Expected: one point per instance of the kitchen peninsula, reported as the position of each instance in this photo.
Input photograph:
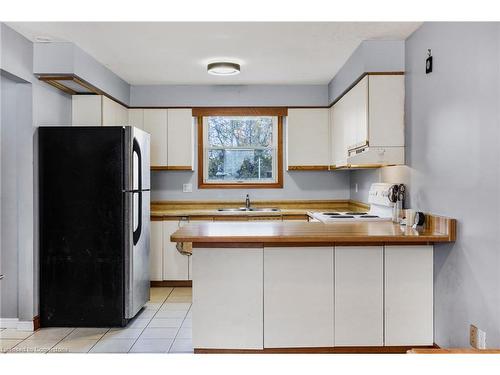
(313, 287)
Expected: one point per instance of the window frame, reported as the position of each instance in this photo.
(201, 113)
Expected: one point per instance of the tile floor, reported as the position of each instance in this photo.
(164, 326)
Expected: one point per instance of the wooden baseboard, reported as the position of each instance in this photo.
(36, 323)
(322, 350)
(171, 283)
(454, 351)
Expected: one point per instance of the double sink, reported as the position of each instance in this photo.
(251, 209)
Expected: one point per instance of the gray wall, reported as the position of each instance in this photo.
(370, 56)
(26, 104)
(167, 185)
(228, 95)
(453, 132)
(61, 57)
(8, 234)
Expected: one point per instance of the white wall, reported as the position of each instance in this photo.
(452, 138)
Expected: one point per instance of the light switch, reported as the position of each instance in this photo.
(187, 188)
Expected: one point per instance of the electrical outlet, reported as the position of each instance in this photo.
(477, 337)
(356, 187)
(187, 188)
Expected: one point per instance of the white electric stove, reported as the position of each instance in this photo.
(381, 198)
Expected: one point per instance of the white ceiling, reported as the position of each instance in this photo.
(177, 53)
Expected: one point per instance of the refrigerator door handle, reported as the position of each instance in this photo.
(137, 233)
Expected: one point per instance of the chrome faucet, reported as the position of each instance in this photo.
(247, 202)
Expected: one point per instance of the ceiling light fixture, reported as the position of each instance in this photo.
(223, 68)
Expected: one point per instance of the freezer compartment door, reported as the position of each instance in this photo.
(137, 228)
(137, 163)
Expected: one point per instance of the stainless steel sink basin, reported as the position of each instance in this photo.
(243, 209)
(266, 209)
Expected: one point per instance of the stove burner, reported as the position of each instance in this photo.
(342, 217)
(330, 213)
(356, 213)
(368, 216)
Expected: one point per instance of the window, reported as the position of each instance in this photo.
(240, 151)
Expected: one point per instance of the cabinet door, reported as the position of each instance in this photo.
(308, 137)
(136, 118)
(156, 251)
(359, 306)
(228, 298)
(409, 295)
(339, 146)
(386, 117)
(86, 110)
(298, 297)
(190, 259)
(175, 265)
(356, 115)
(109, 112)
(121, 115)
(331, 130)
(180, 138)
(155, 123)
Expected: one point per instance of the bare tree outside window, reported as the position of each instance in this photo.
(240, 148)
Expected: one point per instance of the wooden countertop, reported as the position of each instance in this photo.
(165, 213)
(311, 234)
(164, 210)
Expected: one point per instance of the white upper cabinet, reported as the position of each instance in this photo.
(136, 117)
(386, 115)
(172, 136)
(308, 138)
(86, 110)
(95, 110)
(338, 142)
(356, 110)
(155, 123)
(367, 123)
(113, 113)
(180, 141)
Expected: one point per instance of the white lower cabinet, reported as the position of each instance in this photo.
(298, 297)
(359, 296)
(292, 297)
(156, 251)
(228, 298)
(175, 265)
(190, 259)
(409, 295)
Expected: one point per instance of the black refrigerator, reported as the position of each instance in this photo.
(94, 225)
